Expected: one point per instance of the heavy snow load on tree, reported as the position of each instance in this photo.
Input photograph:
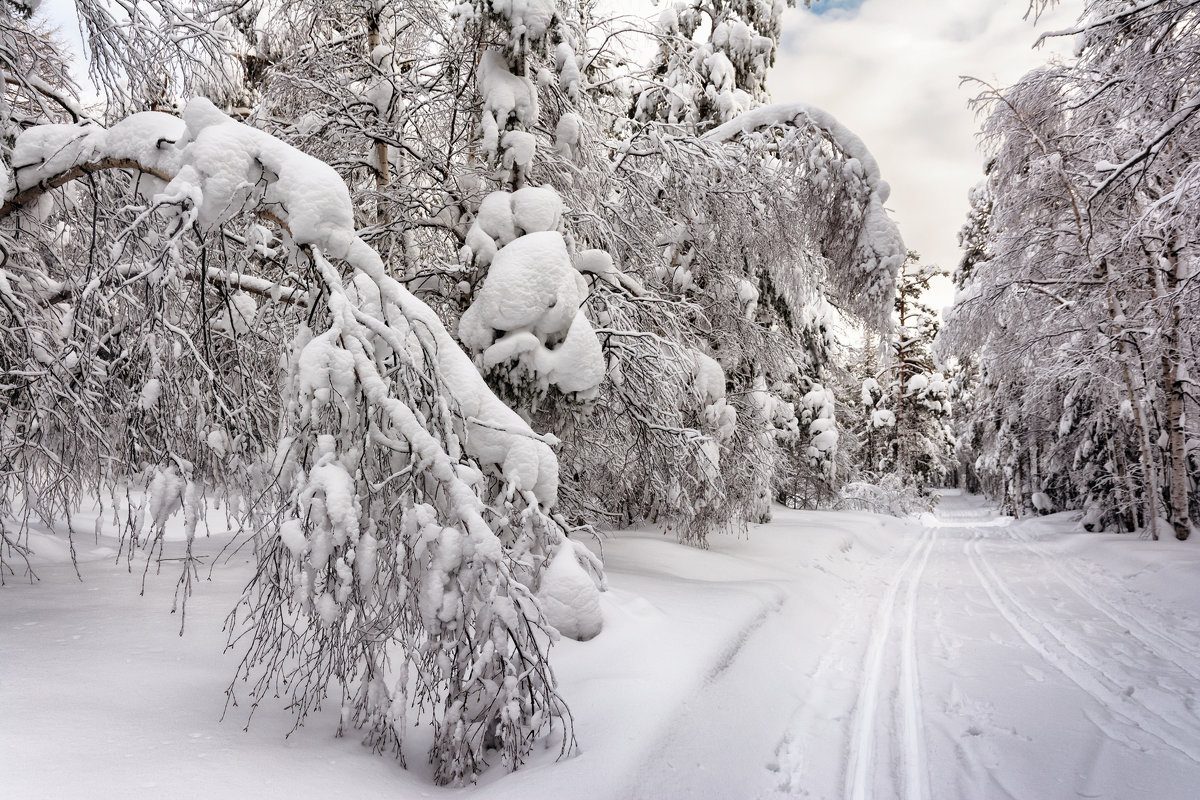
(867, 281)
(528, 316)
(403, 512)
(216, 168)
(506, 98)
(1078, 280)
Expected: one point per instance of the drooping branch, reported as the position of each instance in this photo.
(31, 194)
(371, 364)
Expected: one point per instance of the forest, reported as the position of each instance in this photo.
(426, 299)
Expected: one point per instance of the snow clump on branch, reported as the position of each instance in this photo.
(507, 99)
(529, 308)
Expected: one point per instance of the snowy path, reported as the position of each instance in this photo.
(994, 667)
(829, 655)
(974, 659)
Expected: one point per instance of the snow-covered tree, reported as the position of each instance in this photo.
(877, 420)
(1089, 246)
(902, 402)
(919, 394)
(284, 309)
(712, 60)
(394, 498)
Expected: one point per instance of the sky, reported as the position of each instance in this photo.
(890, 71)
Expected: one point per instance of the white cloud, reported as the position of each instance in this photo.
(890, 70)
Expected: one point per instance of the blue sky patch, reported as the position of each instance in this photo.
(846, 7)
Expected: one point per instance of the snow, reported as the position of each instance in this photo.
(667, 21)
(526, 18)
(772, 409)
(748, 296)
(916, 384)
(787, 114)
(870, 390)
(166, 495)
(214, 163)
(569, 597)
(529, 309)
(291, 532)
(323, 370)
(880, 250)
(829, 654)
(568, 136)
(710, 378)
(503, 216)
(598, 263)
(817, 409)
(219, 442)
(567, 64)
(218, 168)
(577, 364)
(329, 499)
(519, 148)
(883, 418)
(150, 394)
(535, 209)
(531, 285)
(238, 317)
(223, 159)
(505, 96)
(720, 418)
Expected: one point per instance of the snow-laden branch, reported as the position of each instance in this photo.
(1150, 148)
(214, 165)
(879, 251)
(795, 114)
(462, 586)
(1111, 19)
(44, 89)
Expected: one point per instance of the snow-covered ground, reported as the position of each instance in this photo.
(828, 655)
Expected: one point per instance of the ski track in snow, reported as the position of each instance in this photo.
(1136, 678)
(1153, 638)
(1112, 686)
(883, 736)
(861, 778)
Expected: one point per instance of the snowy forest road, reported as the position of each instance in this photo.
(995, 668)
(974, 659)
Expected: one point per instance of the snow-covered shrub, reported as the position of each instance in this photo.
(817, 415)
(889, 494)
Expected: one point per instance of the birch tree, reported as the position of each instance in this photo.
(1090, 168)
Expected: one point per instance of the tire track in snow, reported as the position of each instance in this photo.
(862, 757)
(1177, 734)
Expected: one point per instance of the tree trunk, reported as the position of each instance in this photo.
(1149, 465)
(382, 155)
(1173, 387)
